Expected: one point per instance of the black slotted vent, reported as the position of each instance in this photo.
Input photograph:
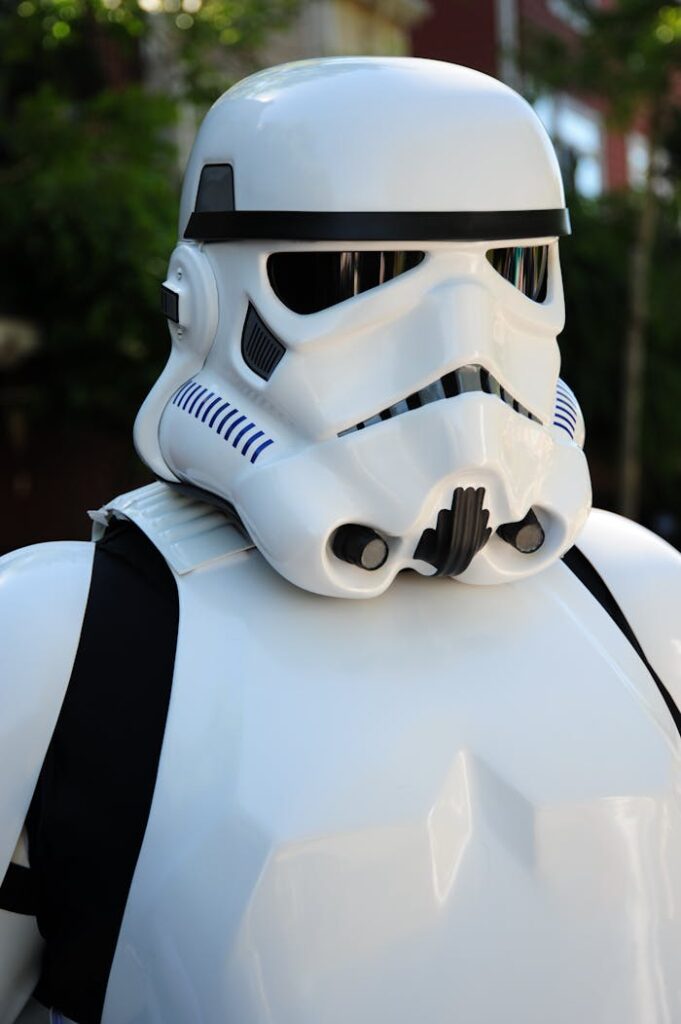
(261, 349)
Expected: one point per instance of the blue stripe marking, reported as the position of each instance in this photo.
(569, 419)
(250, 441)
(203, 402)
(181, 391)
(231, 427)
(260, 449)
(209, 407)
(567, 411)
(215, 415)
(560, 421)
(244, 430)
(185, 387)
(566, 429)
(225, 418)
(185, 398)
(195, 399)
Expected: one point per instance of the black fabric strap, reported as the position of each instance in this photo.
(580, 565)
(17, 892)
(90, 808)
(309, 226)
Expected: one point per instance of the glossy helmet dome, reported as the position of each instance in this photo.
(363, 309)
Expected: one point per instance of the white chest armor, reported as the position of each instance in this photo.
(445, 804)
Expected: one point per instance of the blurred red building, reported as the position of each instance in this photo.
(489, 35)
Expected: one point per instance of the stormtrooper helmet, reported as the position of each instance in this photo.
(363, 308)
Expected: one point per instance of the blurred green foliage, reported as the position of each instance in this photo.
(89, 184)
(88, 209)
(625, 51)
(625, 262)
(594, 263)
(229, 22)
(662, 423)
(87, 32)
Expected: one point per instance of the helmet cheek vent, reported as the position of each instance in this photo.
(261, 349)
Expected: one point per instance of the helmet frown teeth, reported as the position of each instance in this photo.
(465, 380)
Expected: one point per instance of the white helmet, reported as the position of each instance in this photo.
(363, 312)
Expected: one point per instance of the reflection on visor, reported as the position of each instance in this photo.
(308, 282)
(524, 266)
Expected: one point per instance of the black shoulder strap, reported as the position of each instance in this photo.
(17, 892)
(580, 565)
(90, 808)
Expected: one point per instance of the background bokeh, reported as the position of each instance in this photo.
(99, 101)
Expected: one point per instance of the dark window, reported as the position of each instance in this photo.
(525, 266)
(307, 282)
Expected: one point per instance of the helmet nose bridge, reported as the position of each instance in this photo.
(463, 312)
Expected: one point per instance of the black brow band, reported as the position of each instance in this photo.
(477, 226)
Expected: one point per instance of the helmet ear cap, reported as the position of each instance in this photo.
(190, 294)
(189, 300)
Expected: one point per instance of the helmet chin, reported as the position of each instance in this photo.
(399, 479)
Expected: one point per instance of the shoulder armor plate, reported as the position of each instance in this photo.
(189, 533)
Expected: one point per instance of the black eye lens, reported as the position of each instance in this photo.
(307, 282)
(524, 266)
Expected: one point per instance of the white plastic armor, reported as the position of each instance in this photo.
(367, 811)
(446, 803)
(43, 591)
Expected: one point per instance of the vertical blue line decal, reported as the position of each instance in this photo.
(182, 391)
(209, 407)
(244, 430)
(215, 415)
(195, 399)
(261, 448)
(186, 397)
(203, 402)
(225, 418)
(250, 441)
(232, 426)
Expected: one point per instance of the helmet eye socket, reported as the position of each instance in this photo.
(308, 282)
(525, 266)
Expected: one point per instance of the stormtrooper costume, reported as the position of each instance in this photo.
(231, 792)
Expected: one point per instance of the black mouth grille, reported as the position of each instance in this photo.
(458, 382)
(460, 532)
